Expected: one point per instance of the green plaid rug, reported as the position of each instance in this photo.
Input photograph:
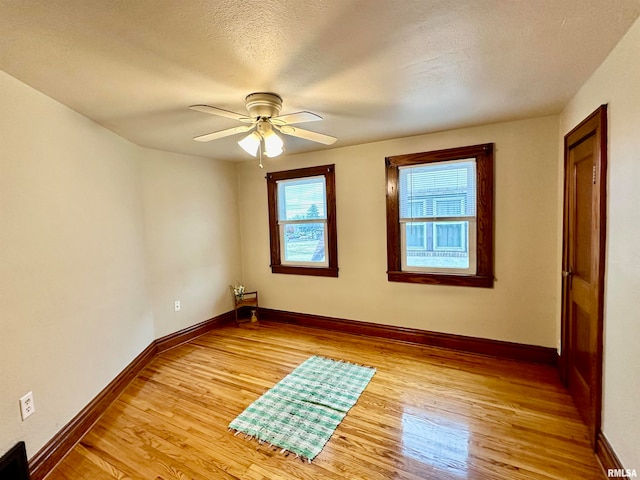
(300, 412)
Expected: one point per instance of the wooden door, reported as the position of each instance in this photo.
(583, 265)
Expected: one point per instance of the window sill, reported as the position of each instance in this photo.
(313, 271)
(441, 279)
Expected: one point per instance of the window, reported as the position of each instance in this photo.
(302, 221)
(440, 217)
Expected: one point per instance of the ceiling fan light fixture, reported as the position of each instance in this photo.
(273, 144)
(250, 143)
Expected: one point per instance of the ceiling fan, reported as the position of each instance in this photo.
(263, 116)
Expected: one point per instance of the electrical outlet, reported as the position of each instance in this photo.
(27, 407)
(176, 305)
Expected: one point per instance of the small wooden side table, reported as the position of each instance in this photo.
(249, 299)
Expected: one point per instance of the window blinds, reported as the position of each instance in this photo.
(438, 190)
(302, 199)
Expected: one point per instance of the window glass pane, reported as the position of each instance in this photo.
(304, 242)
(444, 245)
(302, 198)
(443, 189)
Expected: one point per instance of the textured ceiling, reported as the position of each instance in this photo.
(374, 69)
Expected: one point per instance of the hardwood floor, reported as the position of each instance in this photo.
(428, 413)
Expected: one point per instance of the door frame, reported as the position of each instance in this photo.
(594, 124)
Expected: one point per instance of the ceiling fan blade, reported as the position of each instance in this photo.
(221, 112)
(308, 135)
(298, 117)
(222, 133)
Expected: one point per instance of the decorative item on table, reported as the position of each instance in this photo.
(238, 290)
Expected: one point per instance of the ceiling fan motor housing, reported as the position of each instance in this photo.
(263, 104)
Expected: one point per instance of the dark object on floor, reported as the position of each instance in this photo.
(14, 465)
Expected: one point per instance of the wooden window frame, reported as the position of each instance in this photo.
(484, 276)
(328, 171)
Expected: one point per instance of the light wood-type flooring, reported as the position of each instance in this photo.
(428, 413)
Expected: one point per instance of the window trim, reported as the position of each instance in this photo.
(484, 276)
(331, 237)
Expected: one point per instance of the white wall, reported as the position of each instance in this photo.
(191, 237)
(521, 307)
(73, 297)
(98, 237)
(617, 83)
